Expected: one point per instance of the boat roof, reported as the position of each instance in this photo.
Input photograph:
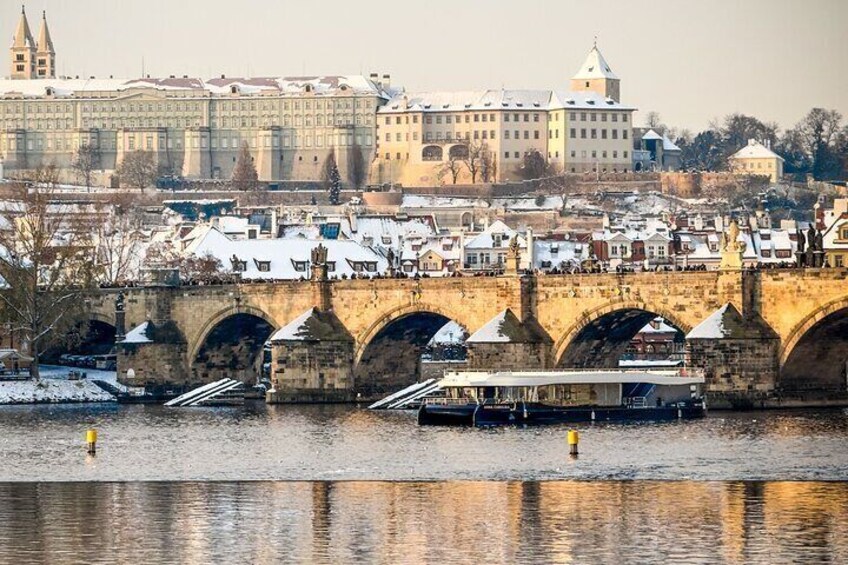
(542, 378)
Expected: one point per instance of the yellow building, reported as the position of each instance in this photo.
(757, 159)
(482, 136)
(834, 228)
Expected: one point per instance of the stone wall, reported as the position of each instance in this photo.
(734, 369)
(509, 356)
(311, 371)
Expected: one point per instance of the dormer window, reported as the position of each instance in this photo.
(263, 266)
(555, 249)
(299, 266)
(416, 246)
(497, 239)
(331, 266)
(386, 239)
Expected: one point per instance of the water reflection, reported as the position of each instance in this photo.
(369, 522)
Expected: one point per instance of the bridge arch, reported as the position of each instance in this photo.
(604, 332)
(388, 352)
(230, 344)
(815, 352)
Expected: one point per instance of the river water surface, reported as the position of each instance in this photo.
(269, 484)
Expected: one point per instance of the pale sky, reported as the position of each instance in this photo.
(690, 60)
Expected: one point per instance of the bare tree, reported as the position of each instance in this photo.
(245, 176)
(451, 168)
(45, 266)
(488, 165)
(118, 242)
(202, 268)
(86, 161)
(138, 169)
(474, 159)
(356, 167)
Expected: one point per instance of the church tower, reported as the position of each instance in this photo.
(596, 76)
(22, 51)
(45, 57)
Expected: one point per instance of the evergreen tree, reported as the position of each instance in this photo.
(245, 176)
(335, 185)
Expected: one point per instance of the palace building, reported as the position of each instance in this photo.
(483, 136)
(195, 128)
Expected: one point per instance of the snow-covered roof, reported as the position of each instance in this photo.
(449, 334)
(755, 150)
(507, 328)
(318, 85)
(511, 100)
(478, 100)
(138, 334)
(312, 325)
(662, 327)
(485, 239)
(595, 66)
(284, 255)
(713, 327)
(651, 135)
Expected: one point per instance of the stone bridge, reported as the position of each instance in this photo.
(769, 332)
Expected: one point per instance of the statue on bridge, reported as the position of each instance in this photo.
(319, 255)
(731, 248)
(319, 263)
(800, 258)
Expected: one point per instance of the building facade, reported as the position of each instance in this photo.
(483, 136)
(757, 159)
(194, 128)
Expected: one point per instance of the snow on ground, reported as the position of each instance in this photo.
(54, 387)
(415, 201)
(33, 391)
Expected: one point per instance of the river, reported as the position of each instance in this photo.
(266, 484)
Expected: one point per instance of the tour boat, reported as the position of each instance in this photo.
(484, 398)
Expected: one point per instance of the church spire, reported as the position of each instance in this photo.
(45, 56)
(45, 42)
(22, 51)
(23, 36)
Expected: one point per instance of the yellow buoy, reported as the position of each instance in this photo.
(573, 440)
(91, 440)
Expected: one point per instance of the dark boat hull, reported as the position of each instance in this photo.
(540, 414)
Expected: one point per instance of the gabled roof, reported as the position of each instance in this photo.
(313, 325)
(507, 328)
(595, 66)
(485, 240)
(755, 150)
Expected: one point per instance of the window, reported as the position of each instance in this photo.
(594, 133)
(506, 134)
(536, 134)
(300, 266)
(506, 154)
(624, 134)
(506, 117)
(603, 134)
(582, 133)
(573, 133)
(615, 134)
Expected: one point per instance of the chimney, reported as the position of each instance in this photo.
(387, 81)
(223, 76)
(531, 249)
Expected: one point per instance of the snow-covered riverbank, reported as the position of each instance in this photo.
(54, 387)
(42, 391)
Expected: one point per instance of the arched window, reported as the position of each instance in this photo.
(431, 153)
(458, 152)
